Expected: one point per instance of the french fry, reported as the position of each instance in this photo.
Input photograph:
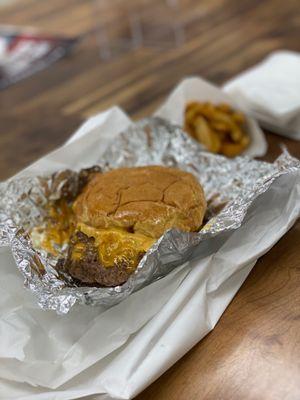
(221, 116)
(234, 149)
(239, 118)
(225, 107)
(191, 105)
(220, 128)
(235, 133)
(189, 129)
(231, 149)
(245, 141)
(206, 135)
(190, 115)
(207, 110)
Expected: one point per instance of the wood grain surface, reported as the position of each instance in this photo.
(254, 351)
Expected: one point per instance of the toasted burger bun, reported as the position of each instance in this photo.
(145, 200)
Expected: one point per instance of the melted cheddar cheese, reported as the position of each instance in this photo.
(116, 245)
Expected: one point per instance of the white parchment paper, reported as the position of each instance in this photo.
(116, 353)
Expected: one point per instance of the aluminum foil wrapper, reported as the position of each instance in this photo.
(230, 185)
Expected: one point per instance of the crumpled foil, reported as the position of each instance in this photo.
(230, 185)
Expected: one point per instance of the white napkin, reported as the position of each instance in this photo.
(270, 92)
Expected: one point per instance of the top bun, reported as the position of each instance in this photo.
(147, 200)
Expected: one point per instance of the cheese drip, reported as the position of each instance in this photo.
(115, 245)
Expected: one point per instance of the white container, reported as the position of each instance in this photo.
(195, 88)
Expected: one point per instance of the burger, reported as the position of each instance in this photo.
(120, 214)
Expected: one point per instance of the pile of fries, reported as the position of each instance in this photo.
(220, 128)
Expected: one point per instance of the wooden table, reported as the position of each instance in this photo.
(254, 351)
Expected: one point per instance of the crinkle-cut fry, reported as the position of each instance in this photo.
(206, 135)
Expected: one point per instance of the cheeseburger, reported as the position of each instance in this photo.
(120, 214)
